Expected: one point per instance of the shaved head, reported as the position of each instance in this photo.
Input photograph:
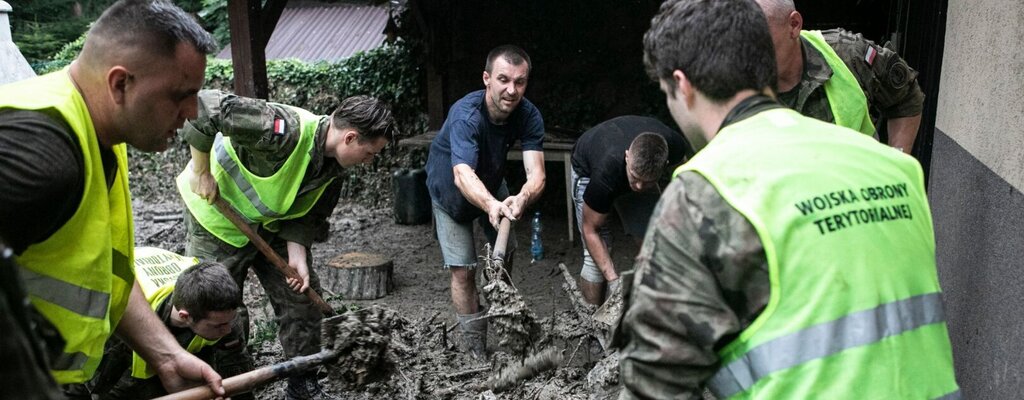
(133, 31)
(776, 10)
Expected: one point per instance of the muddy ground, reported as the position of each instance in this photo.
(420, 358)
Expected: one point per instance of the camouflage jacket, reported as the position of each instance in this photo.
(888, 82)
(262, 150)
(700, 279)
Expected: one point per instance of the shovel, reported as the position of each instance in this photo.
(339, 335)
(255, 378)
(501, 242)
(268, 252)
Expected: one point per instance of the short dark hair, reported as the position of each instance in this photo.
(723, 46)
(513, 55)
(156, 26)
(649, 153)
(206, 287)
(368, 115)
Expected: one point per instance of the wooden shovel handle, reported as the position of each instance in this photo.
(255, 378)
(269, 252)
(501, 242)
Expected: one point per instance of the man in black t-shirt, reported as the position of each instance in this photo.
(618, 163)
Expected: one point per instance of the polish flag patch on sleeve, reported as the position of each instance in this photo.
(870, 55)
(279, 127)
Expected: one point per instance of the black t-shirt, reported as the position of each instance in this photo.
(42, 176)
(600, 154)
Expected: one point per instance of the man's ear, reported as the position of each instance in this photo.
(117, 83)
(684, 88)
(349, 136)
(487, 77)
(796, 24)
(184, 315)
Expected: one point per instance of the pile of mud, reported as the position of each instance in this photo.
(386, 355)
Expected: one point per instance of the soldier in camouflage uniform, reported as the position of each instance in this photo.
(703, 276)
(889, 84)
(263, 137)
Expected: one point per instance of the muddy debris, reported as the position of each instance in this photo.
(511, 320)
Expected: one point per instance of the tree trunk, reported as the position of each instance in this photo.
(359, 276)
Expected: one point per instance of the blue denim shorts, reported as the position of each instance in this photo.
(456, 238)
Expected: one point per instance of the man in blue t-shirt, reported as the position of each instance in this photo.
(466, 176)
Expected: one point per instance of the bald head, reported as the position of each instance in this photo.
(133, 31)
(777, 11)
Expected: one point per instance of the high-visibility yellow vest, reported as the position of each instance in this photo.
(845, 96)
(80, 277)
(855, 309)
(157, 271)
(261, 200)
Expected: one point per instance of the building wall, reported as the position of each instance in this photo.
(977, 178)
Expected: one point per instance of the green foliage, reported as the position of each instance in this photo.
(214, 14)
(265, 331)
(42, 27)
(390, 73)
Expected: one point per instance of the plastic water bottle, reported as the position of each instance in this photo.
(536, 247)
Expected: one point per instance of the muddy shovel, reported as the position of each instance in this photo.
(250, 380)
(269, 252)
(339, 335)
(501, 242)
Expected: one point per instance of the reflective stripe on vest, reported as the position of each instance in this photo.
(77, 299)
(822, 340)
(70, 362)
(86, 262)
(232, 169)
(845, 96)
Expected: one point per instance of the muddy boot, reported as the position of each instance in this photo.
(305, 387)
(474, 333)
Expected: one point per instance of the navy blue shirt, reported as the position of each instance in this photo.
(469, 137)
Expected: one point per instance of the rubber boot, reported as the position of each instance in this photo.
(305, 387)
(474, 333)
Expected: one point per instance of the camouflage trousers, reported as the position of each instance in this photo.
(297, 317)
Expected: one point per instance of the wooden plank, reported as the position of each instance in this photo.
(248, 56)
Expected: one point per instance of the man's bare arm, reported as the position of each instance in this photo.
(592, 220)
(533, 162)
(903, 132)
(474, 190)
(201, 180)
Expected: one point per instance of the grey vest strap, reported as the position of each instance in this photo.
(857, 329)
(77, 299)
(233, 170)
(70, 362)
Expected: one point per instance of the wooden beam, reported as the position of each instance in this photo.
(248, 56)
(270, 15)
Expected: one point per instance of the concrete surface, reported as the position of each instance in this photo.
(979, 102)
(979, 234)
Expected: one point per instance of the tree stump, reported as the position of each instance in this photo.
(359, 276)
